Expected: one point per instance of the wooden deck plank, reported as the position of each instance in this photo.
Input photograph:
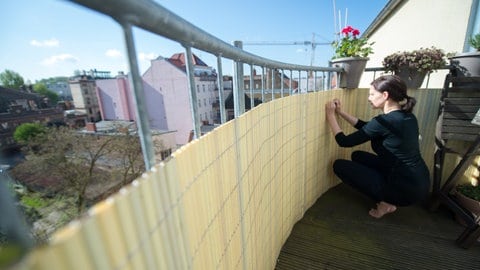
(337, 233)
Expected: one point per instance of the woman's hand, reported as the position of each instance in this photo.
(330, 108)
(331, 118)
(338, 105)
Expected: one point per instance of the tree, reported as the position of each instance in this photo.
(128, 152)
(27, 131)
(86, 166)
(11, 79)
(43, 90)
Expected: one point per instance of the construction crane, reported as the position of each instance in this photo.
(312, 43)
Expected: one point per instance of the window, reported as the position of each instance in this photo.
(198, 88)
(247, 86)
(165, 153)
(203, 86)
(199, 103)
(205, 102)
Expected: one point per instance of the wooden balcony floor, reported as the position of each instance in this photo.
(337, 233)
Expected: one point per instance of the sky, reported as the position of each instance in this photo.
(49, 38)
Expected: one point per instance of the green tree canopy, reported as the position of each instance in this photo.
(25, 132)
(11, 79)
(42, 89)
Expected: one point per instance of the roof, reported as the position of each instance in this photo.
(389, 8)
(178, 60)
(12, 94)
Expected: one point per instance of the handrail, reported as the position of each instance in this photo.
(154, 18)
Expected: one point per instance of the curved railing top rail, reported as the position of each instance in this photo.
(153, 17)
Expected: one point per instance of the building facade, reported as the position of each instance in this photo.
(115, 98)
(166, 89)
(409, 25)
(85, 97)
(18, 107)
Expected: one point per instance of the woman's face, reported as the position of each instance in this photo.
(377, 99)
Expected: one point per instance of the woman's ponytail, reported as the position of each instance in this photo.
(408, 106)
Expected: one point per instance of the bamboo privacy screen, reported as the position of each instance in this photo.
(225, 201)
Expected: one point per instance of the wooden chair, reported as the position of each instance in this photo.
(459, 104)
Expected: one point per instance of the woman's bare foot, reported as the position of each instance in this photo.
(383, 208)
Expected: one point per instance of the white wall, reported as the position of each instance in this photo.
(421, 23)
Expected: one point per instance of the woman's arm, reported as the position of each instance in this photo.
(332, 118)
(352, 120)
(343, 140)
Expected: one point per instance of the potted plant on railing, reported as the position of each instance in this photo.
(351, 54)
(413, 66)
(467, 64)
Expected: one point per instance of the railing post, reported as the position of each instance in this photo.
(281, 82)
(291, 81)
(273, 84)
(238, 93)
(221, 92)
(136, 83)
(252, 101)
(192, 93)
(263, 84)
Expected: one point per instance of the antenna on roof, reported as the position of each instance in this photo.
(335, 21)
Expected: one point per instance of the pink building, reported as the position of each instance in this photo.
(166, 96)
(115, 99)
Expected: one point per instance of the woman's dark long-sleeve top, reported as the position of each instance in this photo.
(395, 139)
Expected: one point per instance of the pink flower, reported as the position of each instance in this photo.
(347, 30)
(351, 45)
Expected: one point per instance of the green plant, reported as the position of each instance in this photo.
(475, 42)
(34, 201)
(469, 190)
(421, 60)
(350, 45)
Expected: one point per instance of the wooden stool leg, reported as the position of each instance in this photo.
(439, 157)
(469, 237)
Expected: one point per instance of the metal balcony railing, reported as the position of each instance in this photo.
(154, 18)
(229, 199)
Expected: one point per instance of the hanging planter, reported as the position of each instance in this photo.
(353, 69)
(465, 64)
(412, 78)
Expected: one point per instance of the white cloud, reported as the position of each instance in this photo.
(45, 43)
(65, 57)
(113, 53)
(147, 56)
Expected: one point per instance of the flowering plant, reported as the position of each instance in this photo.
(421, 60)
(350, 45)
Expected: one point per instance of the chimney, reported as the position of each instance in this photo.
(91, 127)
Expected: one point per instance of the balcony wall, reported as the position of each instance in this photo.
(227, 200)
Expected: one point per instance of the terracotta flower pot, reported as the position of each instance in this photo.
(470, 204)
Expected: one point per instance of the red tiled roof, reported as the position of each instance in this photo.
(178, 60)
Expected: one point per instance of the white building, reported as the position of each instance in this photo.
(167, 93)
(409, 25)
